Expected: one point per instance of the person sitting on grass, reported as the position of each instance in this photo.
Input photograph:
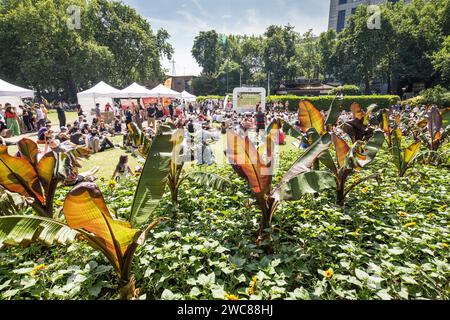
(98, 143)
(122, 169)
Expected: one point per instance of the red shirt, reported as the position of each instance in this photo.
(9, 115)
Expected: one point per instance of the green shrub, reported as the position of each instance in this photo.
(437, 95)
(348, 90)
(203, 98)
(414, 102)
(324, 102)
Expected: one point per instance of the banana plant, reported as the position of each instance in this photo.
(403, 158)
(88, 218)
(249, 164)
(139, 139)
(11, 203)
(387, 128)
(35, 176)
(438, 129)
(358, 129)
(177, 175)
(348, 160)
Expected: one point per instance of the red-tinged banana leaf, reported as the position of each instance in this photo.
(46, 170)
(434, 121)
(85, 209)
(29, 150)
(385, 124)
(153, 180)
(246, 161)
(304, 163)
(362, 155)
(272, 138)
(342, 149)
(26, 230)
(357, 111)
(18, 175)
(310, 117)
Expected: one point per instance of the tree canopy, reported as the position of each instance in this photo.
(113, 43)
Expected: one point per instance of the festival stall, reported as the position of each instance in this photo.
(186, 96)
(101, 93)
(12, 94)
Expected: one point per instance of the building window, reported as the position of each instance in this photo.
(341, 21)
(353, 10)
(342, 2)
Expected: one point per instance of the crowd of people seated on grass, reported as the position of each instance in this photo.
(203, 124)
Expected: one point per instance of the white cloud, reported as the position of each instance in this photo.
(188, 17)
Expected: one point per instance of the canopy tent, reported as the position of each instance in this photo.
(164, 92)
(101, 93)
(187, 96)
(136, 91)
(100, 90)
(10, 90)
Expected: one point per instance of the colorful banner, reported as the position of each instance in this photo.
(149, 101)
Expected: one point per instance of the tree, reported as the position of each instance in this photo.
(441, 61)
(206, 51)
(114, 44)
(308, 55)
(358, 50)
(279, 52)
(326, 46)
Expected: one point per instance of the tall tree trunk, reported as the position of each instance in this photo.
(367, 82)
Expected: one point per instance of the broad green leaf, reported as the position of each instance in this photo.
(308, 183)
(411, 152)
(304, 163)
(365, 155)
(210, 180)
(333, 113)
(85, 209)
(24, 230)
(152, 183)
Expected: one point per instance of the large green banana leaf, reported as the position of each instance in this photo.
(304, 163)
(25, 230)
(153, 180)
(307, 183)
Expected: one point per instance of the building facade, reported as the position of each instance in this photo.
(342, 10)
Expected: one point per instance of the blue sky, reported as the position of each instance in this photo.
(184, 19)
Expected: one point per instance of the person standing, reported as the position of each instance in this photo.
(260, 120)
(151, 113)
(12, 120)
(61, 115)
(40, 118)
(97, 110)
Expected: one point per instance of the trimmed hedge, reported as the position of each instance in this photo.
(324, 102)
(348, 90)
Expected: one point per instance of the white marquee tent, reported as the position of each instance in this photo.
(136, 91)
(187, 96)
(10, 93)
(163, 92)
(101, 93)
